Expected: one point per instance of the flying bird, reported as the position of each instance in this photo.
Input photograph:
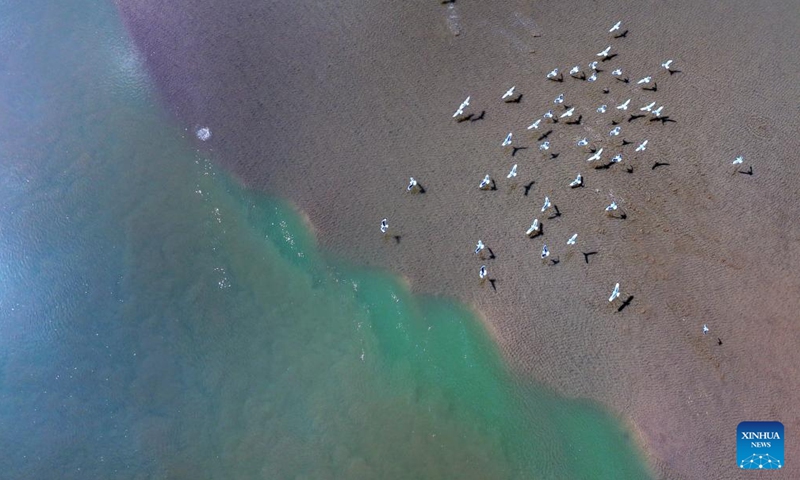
(605, 53)
(547, 204)
(596, 156)
(617, 72)
(615, 27)
(738, 160)
(614, 294)
(624, 106)
(460, 110)
(648, 108)
(657, 111)
(534, 228)
(572, 239)
(507, 141)
(534, 124)
(577, 182)
(642, 146)
(568, 113)
(509, 93)
(593, 65)
(513, 172)
(667, 64)
(644, 80)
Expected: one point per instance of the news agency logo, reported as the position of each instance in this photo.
(759, 445)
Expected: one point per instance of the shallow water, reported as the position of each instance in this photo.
(159, 321)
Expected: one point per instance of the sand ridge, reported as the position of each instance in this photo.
(334, 106)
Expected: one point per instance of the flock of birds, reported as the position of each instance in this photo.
(614, 140)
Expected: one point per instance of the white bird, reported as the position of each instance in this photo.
(615, 27)
(593, 65)
(642, 146)
(648, 108)
(592, 78)
(535, 227)
(559, 99)
(545, 145)
(509, 93)
(617, 158)
(575, 69)
(612, 207)
(614, 294)
(549, 114)
(577, 182)
(657, 111)
(617, 72)
(572, 239)
(602, 109)
(553, 74)
(411, 184)
(482, 273)
(667, 64)
(479, 247)
(705, 329)
(644, 80)
(487, 180)
(583, 142)
(513, 172)
(605, 53)
(738, 160)
(568, 113)
(507, 141)
(384, 226)
(615, 131)
(624, 106)
(596, 156)
(460, 110)
(547, 204)
(545, 251)
(534, 124)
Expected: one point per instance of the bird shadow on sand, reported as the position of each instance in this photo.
(673, 72)
(635, 116)
(659, 164)
(749, 171)
(663, 120)
(610, 57)
(620, 35)
(528, 188)
(554, 155)
(625, 303)
(516, 99)
(491, 254)
(544, 135)
(654, 88)
(555, 214)
(554, 261)
(396, 239)
(514, 150)
(586, 255)
(577, 121)
(493, 283)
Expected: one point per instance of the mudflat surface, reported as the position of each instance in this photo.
(335, 105)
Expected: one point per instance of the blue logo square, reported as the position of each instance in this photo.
(759, 445)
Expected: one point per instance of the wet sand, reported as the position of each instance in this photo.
(334, 106)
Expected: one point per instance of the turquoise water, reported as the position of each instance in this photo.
(159, 321)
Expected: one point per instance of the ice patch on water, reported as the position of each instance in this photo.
(204, 133)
